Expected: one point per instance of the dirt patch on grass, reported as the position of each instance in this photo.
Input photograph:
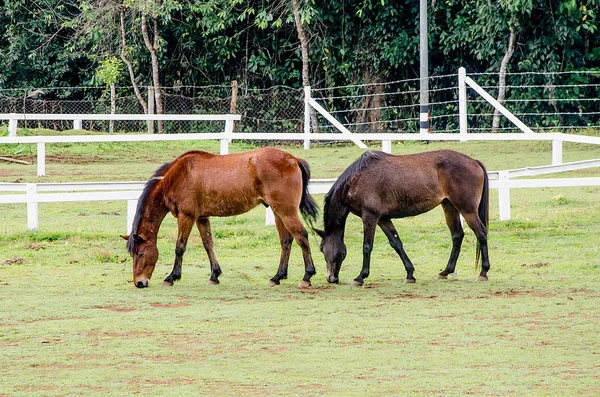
(514, 293)
(181, 303)
(539, 264)
(120, 309)
(13, 261)
(71, 159)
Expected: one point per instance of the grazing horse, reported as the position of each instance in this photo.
(198, 185)
(380, 186)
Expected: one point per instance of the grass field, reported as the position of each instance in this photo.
(71, 322)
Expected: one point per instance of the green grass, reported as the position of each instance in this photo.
(71, 322)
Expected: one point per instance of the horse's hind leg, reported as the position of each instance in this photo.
(390, 231)
(456, 231)
(481, 234)
(285, 239)
(291, 221)
(184, 227)
(204, 229)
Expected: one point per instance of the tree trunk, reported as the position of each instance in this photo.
(233, 105)
(304, 51)
(136, 89)
(512, 40)
(152, 46)
(372, 103)
(113, 107)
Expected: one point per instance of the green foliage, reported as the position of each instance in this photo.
(109, 71)
(63, 42)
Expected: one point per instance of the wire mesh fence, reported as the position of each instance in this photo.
(543, 101)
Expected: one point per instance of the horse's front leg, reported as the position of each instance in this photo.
(204, 228)
(369, 224)
(184, 227)
(390, 231)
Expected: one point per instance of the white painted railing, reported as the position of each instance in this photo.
(94, 191)
(225, 137)
(41, 141)
(14, 118)
(115, 191)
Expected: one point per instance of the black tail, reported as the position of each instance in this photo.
(308, 206)
(484, 208)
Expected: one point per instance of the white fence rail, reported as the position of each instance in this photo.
(115, 191)
(227, 136)
(97, 191)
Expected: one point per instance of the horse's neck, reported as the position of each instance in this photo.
(152, 216)
(335, 221)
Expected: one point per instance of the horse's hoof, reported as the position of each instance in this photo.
(442, 277)
(273, 283)
(355, 283)
(167, 283)
(482, 278)
(304, 284)
(410, 281)
(213, 282)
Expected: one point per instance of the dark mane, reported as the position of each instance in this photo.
(340, 187)
(132, 242)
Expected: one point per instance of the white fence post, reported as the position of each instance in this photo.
(462, 104)
(270, 217)
(41, 158)
(131, 208)
(307, 110)
(504, 196)
(12, 127)
(557, 152)
(77, 124)
(32, 207)
(226, 137)
(386, 146)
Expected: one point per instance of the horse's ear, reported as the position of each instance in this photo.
(321, 233)
(139, 239)
(124, 237)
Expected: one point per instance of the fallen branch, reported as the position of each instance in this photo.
(11, 160)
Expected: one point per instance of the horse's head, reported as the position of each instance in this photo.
(145, 256)
(334, 251)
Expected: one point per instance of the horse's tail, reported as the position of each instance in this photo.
(308, 207)
(484, 209)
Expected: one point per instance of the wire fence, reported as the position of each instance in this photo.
(543, 101)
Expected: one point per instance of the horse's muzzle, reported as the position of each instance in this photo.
(142, 284)
(332, 279)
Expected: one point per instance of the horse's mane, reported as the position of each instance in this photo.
(133, 239)
(333, 207)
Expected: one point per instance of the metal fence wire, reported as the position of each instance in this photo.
(543, 101)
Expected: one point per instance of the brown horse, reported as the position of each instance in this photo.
(380, 186)
(198, 185)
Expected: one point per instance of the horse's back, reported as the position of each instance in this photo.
(222, 185)
(408, 185)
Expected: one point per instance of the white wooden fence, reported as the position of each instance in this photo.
(41, 141)
(115, 191)
(501, 180)
(35, 193)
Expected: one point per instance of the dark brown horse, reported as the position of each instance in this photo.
(198, 185)
(380, 186)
